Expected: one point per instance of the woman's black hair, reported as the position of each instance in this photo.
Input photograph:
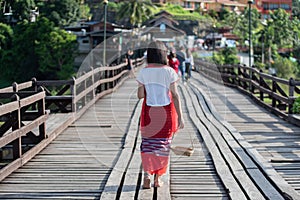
(157, 53)
(172, 55)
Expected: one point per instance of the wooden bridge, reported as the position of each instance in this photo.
(82, 141)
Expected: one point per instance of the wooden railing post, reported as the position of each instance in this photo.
(93, 82)
(274, 88)
(85, 96)
(73, 93)
(16, 117)
(106, 75)
(291, 95)
(250, 78)
(15, 87)
(34, 84)
(41, 112)
(113, 82)
(261, 93)
(239, 75)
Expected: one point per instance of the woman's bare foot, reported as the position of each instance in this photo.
(157, 181)
(147, 182)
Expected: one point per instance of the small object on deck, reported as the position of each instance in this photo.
(185, 151)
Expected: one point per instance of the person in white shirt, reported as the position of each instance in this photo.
(189, 63)
(161, 114)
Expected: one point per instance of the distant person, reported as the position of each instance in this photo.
(129, 57)
(161, 114)
(189, 63)
(173, 61)
(181, 56)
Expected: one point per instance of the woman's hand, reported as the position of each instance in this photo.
(180, 123)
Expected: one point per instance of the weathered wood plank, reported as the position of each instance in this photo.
(115, 178)
(245, 119)
(220, 164)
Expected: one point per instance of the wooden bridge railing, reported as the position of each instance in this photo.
(25, 107)
(276, 94)
(23, 126)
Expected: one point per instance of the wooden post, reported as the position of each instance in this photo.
(85, 96)
(261, 94)
(35, 89)
(106, 75)
(41, 112)
(239, 74)
(34, 84)
(93, 82)
(73, 93)
(16, 115)
(15, 87)
(251, 89)
(274, 91)
(291, 95)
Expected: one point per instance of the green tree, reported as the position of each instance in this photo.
(241, 25)
(39, 50)
(6, 34)
(284, 67)
(61, 12)
(22, 9)
(279, 32)
(296, 9)
(137, 11)
(56, 54)
(226, 56)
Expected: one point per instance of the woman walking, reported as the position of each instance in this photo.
(189, 63)
(161, 114)
(173, 61)
(129, 56)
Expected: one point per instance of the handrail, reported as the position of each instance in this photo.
(260, 86)
(29, 101)
(14, 131)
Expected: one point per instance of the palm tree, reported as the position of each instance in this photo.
(137, 11)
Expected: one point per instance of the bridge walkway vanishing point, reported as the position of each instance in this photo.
(241, 152)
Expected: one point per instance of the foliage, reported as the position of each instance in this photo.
(138, 11)
(296, 9)
(55, 52)
(241, 25)
(39, 50)
(296, 106)
(22, 9)
(259, 65)
(6, 34)
(85, 12)
(284, 67)
(280, 28)
(61, 12)
(179, 13)
(226, 56)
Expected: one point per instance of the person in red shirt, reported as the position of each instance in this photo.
(173, 61)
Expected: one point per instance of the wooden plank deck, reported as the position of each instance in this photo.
(80, 161)
(77, 164)
(276, 141)
(97, 156)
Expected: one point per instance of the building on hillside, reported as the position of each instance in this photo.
(90, 36)
(267, 6)
(162, 28)
(263, 6)
(217, 5)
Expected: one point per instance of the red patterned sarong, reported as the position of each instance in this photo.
(158, 124)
